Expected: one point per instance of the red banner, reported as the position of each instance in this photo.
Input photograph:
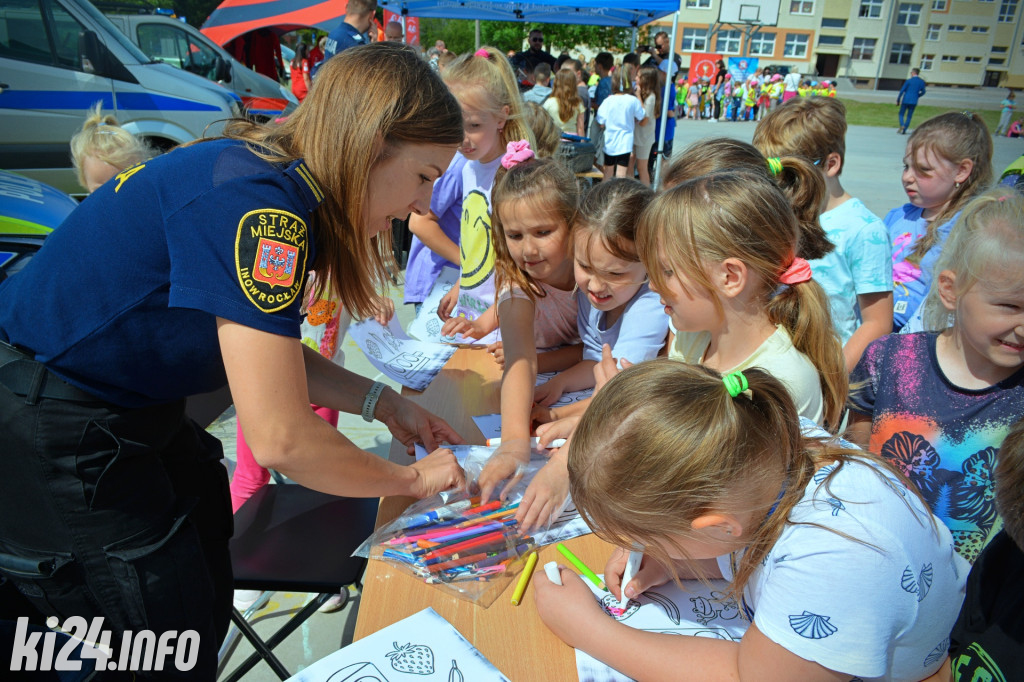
(410, 26)
(702, 64)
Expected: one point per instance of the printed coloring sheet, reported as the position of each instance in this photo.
(422, 648)
(427, 325)
(566, 525)
(567, 398)
(410, 362)
(490, 424)
(698, 611)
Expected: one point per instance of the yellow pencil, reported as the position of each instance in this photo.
(524, 579)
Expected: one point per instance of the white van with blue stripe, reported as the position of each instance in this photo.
(58, 58)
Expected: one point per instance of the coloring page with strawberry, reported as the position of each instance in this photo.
(422, 648)
(698, 611)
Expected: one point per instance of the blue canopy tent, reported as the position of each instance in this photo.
(596, 12)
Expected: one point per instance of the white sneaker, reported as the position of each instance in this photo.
(712, 120)
(245, 598)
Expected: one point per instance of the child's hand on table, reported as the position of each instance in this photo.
(607, 368)
(548, 392)
(508, 461)
(569, 610)
(651, 574)
(546, 495)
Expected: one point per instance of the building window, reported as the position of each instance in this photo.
(972, 60)
(957, 28)
(870, 9)
(863, 48)
(901, 53)
(926, 62)
(979, 29)
(695, 40)
(996, 61)
(1007, 10)
(762, 44)
(698, 4)
(997, 49)
(728, 42)
(939, 5)
(833, 23)
(946, 58)
(801, 7)
(830, 40)
(909, 14)
(933, 32)
(796, 45)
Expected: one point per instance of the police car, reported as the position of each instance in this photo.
(29, 210)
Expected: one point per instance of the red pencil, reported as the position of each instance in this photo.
(482, 509)
(435, 568)
(460, 546)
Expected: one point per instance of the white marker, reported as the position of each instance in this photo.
(534, 443)
(632, 566)
(551, 569)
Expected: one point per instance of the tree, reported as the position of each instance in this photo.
(459, 35)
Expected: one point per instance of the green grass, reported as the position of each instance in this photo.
(885, 115)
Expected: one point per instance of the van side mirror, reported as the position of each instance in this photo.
(91, 53)
(221, 69)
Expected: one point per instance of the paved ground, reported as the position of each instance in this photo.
(872, 173)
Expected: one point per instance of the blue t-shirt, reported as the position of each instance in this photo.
(638, 335)
(341, 38)
(944, 438)
(911, 282)
(860, 264)
(446, 203)
(604, 88)
(122, 299)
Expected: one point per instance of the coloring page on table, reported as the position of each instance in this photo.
(566, 525)
(422, 648)
(567, 398)
(427, 325)
(410, 362)
(698, 611)
(490, 424)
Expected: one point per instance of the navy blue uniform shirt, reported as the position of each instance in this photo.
(122, 299)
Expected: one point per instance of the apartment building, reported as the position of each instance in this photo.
(873, 42)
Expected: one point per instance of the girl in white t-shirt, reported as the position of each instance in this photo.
(721, 250)
(833, 559)
(618, 115)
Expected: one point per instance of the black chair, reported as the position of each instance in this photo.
(291, 538)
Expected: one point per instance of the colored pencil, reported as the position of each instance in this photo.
(581, 567)
(524, 579)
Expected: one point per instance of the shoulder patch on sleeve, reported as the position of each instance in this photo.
(270, 257)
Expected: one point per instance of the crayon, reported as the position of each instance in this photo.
(581, 567)
(524, 579)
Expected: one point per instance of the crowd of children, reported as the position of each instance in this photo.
(780, 295)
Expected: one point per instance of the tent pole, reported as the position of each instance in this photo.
(477, 34)
(664, 98)
(632, 40)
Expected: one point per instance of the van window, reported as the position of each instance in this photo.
(22, 32)
(177, 48)
(66, 32)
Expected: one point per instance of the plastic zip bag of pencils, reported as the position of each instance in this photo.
(467, 549)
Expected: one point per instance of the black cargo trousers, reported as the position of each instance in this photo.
(122, 513)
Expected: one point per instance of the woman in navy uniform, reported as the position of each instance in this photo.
(181, 274)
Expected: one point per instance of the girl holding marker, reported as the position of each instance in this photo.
(720, 250)
(492, 113)
(535, 205)
(837, 562)
(615, 304)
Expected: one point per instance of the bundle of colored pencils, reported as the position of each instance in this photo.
(457, 542)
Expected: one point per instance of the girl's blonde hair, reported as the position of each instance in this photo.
(796, 176)
(987, 237)
(102, 138)
(368, 102)
(547, 134)
(544, 185)
(611, 212)
(471, 76)
(566, 94)
(664, 443)
(622, 79)
(953, 136)
(738, 214)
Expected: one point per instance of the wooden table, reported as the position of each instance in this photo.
(513, 638)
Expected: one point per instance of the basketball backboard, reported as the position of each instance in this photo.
(759, 12)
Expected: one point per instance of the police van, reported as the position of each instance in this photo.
(58, 58)
(176, 43)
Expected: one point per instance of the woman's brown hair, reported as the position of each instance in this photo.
(737, 214)
(366, 102)
(567, 95)
(796, 176)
